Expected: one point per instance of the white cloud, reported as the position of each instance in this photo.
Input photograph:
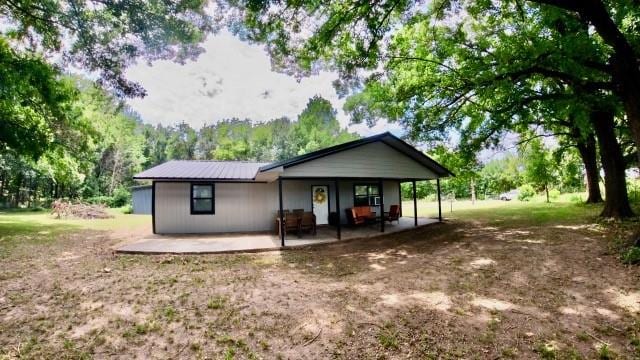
(231, 79)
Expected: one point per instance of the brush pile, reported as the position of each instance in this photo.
(61, 208)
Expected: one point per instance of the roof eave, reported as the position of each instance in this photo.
(179, 179)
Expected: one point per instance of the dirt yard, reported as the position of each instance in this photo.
(464, 289)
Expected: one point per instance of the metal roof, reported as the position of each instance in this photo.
(202, 169)
(243, 170)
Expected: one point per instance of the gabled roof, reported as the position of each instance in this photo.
(387, 138)
(247, 171)
(202, 169)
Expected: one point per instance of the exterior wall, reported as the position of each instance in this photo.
(375, 160)
(246, 207)
(141, 200)
(239, 207)
(390, 192)
(296, 194)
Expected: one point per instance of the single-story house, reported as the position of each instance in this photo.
(204, 196)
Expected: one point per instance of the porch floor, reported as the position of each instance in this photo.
(252, 242)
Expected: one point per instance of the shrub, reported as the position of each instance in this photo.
(526, 192)
(576, 198)
(127, 210)
(554, 194)
(631, 256)
(100, 200)
(121, 197)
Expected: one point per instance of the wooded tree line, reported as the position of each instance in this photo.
(116, 144)
(532, 165)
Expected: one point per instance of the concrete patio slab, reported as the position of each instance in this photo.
(254, 242)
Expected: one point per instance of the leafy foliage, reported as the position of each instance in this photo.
(526, 192)
(475, 69)
(539, 166)
(106, 36)
(36, 105)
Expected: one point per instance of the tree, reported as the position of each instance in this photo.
(40, 38)
(181, 144)
(36, 104)
(617, 24)
(502, 175)
(317, 127)
(466, 170)
(617, 200)
(351, 35)
(484, 67)
(106, 36)
(118, 148)
(540, 169)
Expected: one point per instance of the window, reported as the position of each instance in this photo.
(365, 194)
(202, 199)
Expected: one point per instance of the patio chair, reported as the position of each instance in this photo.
(298, 211)
(284, 212)
(360, 215)
(291, 223)
(308, 222)
(393, 214)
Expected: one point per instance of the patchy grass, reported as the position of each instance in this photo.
(497, 280)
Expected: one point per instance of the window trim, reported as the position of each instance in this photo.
(213, 198)
(369, 194)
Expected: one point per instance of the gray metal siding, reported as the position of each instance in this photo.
(239, 207)
(245, 207)
(141, 200)
(371, 160)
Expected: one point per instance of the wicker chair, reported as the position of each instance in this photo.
(291, 223)
(308, 222)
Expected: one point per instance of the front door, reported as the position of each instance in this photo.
(320, 200)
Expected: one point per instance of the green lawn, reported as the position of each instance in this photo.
(566, 209)
(40, 227)
(20, 222)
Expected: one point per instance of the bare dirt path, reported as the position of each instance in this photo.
(456, 290)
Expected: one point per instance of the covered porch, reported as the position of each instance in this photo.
(332, 212)
(258, 241)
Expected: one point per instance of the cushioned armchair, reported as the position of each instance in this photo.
(360, 215)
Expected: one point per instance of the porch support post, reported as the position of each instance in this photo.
(381, 193)
(400, 196)
(153, 205)
(336, 184)
(415, 205)
(281, 212)
(439, 200)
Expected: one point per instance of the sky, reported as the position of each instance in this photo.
(231, 79)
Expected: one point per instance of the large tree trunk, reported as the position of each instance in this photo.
(629, 84)
(473, 191)
(546, 190)
(588, 154)
(616, 203)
